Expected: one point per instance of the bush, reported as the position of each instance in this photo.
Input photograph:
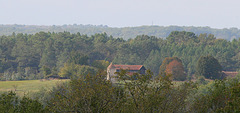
(10, 103)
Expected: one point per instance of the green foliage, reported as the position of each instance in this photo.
(92, 94)
(181, 37)
(28, 105)
(76, 71)
(48, 55)
(201, 80)
(10, 103)
(146, 95)
(238, 75)
(100, 64)
(126, 33)
(139, 94)
(24, 56)
(77, 58)
(154, 61)
(209, 67)
(45, 71)
(222, 96)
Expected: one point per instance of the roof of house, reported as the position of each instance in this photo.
(129, 67)
(126, 67)
(110, 66)
(230, 73)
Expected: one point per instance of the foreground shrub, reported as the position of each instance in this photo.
(223, 96)
(139, 94)
(10, 103)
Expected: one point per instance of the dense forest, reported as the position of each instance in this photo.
(125, 32)
(84, 58)
(48, 54)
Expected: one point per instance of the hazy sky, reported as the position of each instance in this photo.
(122, 13)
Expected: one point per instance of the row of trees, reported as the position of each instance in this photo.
(94, 93)
(207, 67)
(125, 33)
(44, 54)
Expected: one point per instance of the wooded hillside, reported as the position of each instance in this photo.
(27, 56)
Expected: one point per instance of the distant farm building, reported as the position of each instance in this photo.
(230, 74)
(130, 68)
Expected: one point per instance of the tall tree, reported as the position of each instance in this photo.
(176, 68)
(166, 61)
(208, 67)
(181, 36)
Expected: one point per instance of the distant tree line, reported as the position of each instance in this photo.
(125, 32)
(49, 54)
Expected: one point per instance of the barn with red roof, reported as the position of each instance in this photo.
(130, 68)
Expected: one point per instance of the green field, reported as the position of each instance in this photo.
(28, 86)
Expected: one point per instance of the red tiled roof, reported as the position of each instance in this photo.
(128, 67)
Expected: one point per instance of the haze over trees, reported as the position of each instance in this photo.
(125, 33)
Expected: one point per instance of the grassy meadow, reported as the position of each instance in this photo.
(28, 86)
